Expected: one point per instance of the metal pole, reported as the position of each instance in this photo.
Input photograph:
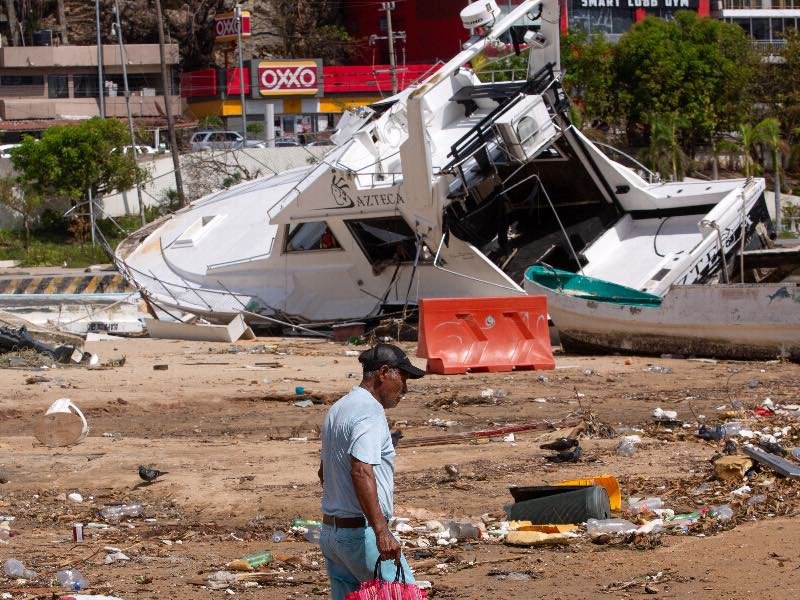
(269, 124)
(238, 13)
(100, 78)
(91, 215)
(166, 83)
(134, 148)
(389, 7)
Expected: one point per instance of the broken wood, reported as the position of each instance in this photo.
(454, 438)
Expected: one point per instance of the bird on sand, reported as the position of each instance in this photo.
(560, 444)
(150, 475)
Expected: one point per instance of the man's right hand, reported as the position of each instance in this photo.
(388, 546)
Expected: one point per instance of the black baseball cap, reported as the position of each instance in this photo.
(391, 356)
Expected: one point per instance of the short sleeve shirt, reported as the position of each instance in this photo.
(356, 426)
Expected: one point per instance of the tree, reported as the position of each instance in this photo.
(665, 154)
(69, 160)
(589, 76)
(24, 203)
(698, 67)
(13, 22)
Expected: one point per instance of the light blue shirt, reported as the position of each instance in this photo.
(356, 426)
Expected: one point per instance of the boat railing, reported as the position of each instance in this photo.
(615, 153)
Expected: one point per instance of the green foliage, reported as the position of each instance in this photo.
(255, 128)
(699, 67)
(23, 202)
(665, 154)
(589, 75)
(45, 250)
(71, 159)
(212, 122)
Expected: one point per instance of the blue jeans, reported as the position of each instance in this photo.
(350, 557)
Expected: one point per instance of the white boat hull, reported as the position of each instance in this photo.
(724, 321)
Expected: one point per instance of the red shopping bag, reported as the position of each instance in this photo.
(378, 589)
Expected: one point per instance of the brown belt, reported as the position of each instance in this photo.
(344, 522)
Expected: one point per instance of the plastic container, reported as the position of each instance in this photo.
(16, 570)
(258, 559)
(598, 526)
(312, 534)
(116, 512)
(278, 537)
(62, 425)
(722, 513)
(646, 505)
(628, 445)
(72, 579)
(731, 429)
(576, 506)
(609, 482)
(462, 531)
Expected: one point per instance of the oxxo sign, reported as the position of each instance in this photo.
(288, 77)
(225, 27)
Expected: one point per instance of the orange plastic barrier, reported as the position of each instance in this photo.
(502, 333)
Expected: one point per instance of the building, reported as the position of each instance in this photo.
(764, 20)
(305, 98)
(41, 86)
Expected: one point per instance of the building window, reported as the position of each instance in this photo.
(389, 240)
(761, 29)
(85, 86)
(315, 235)
(22, 86)
(57, 86)
(16, 80)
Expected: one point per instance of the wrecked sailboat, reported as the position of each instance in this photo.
(451, 188)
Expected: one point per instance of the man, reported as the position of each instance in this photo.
(357, 474)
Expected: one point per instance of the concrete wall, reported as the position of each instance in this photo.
(83, 56)
(12, 109)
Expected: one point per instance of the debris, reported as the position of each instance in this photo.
(13, 340)
(732, 468)
(115, 512)
(452, 471)
(236, 330)
(559, 504)
(75, 497)
(599, 526)
(566, 456)
(560, 444)
(669, 416)
(150, 474)
(658, 369)
(304, 403)
(116, 557)
(250, 562)
(628, 445)
(722, 513)
(62, 425)
(453, 438)
(537, 538)
(644, 506)
(16, 570)
(776, 463)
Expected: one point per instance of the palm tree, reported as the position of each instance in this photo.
(665, 154)
(768, 133)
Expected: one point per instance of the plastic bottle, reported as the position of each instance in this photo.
(278, 537)
(646, 505)
(116, 512)
(16, 570)
(659, 369)
(723, 512)
(462, 531)
(258, 559)
(305, 523)
(313, 533)
(597, 526)
(72, 579)
(731, 429)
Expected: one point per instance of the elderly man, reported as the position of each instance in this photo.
(357, 474)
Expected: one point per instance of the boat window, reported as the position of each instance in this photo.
(385, 240)
(197, 231)
(316, 235)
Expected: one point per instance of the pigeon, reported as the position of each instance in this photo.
(566, 456)
(396, 436)
(730, 447)
(452, 471)
(710, 434)
(560, 444)
(150, 475)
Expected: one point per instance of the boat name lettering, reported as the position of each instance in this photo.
(379, 200)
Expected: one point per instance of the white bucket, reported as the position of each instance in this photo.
(62, 425)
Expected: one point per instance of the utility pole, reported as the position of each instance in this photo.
(100, 78)
(391, 37)
(238, 14)
(166, 83)
(123, 59)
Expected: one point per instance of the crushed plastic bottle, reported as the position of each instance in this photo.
(116, 512)
(723, 512)
(278, 537)
(731, 429)
(305, 523)
(646, 505)
(758, 499)
(312, 534)
(598, 526)
(72, 579)
(628, 445)
(659, 369)
(258, 559)
(16, 570)
(462, 531)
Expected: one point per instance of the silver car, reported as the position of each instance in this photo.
(222, 140)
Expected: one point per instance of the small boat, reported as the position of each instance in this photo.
(741, 321)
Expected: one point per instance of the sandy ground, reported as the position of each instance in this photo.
(220, 423)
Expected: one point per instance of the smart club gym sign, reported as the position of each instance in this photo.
(288, 77)
(633, 4)
(225, 29)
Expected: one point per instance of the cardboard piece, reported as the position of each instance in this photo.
(732, 468)
(536, 538)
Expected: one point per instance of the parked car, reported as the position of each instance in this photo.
(221, 140)
(5, 150)
(284, 142)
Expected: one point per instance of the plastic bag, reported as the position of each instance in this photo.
(378, 589)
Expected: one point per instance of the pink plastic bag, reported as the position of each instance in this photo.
(378, 589)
